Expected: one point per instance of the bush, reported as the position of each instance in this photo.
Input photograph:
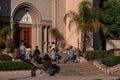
(5, 57)
(10, 66)
(97, 54)
(115, 49)
(111, 61)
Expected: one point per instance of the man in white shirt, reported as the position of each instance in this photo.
(22, 51)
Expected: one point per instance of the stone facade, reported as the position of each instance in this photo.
(39, 16)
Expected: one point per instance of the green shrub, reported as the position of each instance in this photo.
(115, 49)
(97, 54)
(111, 61)
(9, 66)
(5, 57)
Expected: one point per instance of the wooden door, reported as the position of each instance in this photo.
(25, 35)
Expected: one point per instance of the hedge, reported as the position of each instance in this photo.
(111, 61)
(97, 54)
(5, 57)
(10, 66)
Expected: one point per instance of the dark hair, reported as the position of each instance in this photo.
(36, 47)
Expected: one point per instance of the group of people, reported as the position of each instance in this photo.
(27, 54)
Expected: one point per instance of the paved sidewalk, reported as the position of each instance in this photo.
(26, 75)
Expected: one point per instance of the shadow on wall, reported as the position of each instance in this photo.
(112, 44)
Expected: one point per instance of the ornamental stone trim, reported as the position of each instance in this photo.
(107, 70)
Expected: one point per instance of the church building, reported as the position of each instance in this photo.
(32, 20)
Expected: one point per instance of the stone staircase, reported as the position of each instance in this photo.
(79, 69)
(67, 68)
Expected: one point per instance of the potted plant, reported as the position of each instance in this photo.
(54, 33)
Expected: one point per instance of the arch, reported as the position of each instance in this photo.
(25, 32)
(35, 14)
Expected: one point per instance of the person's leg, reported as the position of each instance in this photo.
(21, 56)
(72, 58)
(49, 70)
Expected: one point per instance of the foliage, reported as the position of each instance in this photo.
(111, 17)
(118, 49)
(97, 54)
(78, 51)
(10, 66)
(111, 61)
(54, 32)
(5, 33)
(86, 19)
(5, 57)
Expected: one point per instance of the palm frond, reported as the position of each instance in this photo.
(80, 27)
(103, 28)
(95, 25)
(70, 14)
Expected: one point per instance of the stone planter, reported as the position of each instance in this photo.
(7, 49)
(14, 55)
(116, 52)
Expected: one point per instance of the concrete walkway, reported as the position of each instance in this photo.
(26, 75)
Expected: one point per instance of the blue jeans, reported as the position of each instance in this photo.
(22, 56)
(72, 58)
(49, 70)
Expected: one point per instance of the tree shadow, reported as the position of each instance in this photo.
(111, 43)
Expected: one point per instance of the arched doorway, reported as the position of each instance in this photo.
(22, 27)
(26, 25)
(29, 27)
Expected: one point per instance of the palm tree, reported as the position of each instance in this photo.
(85, 20)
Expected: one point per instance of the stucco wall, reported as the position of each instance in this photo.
(44, 7)
(59, 16)
(71, 34)
(111, 44)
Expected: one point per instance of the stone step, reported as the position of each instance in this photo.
(70, 68)
(82, 69)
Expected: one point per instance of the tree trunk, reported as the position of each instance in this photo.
(82, 41)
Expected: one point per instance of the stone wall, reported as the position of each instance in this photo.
(111, 44)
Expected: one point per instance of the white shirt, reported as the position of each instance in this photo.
(22, 49)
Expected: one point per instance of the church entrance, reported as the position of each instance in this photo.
(22, 27)
(29, 28)
(22, 34)
(25, 35)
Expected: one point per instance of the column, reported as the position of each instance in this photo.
(45, 38)
(38, 31)
(12, 26)
(40, 37)
(34, 37)
(49, 35)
